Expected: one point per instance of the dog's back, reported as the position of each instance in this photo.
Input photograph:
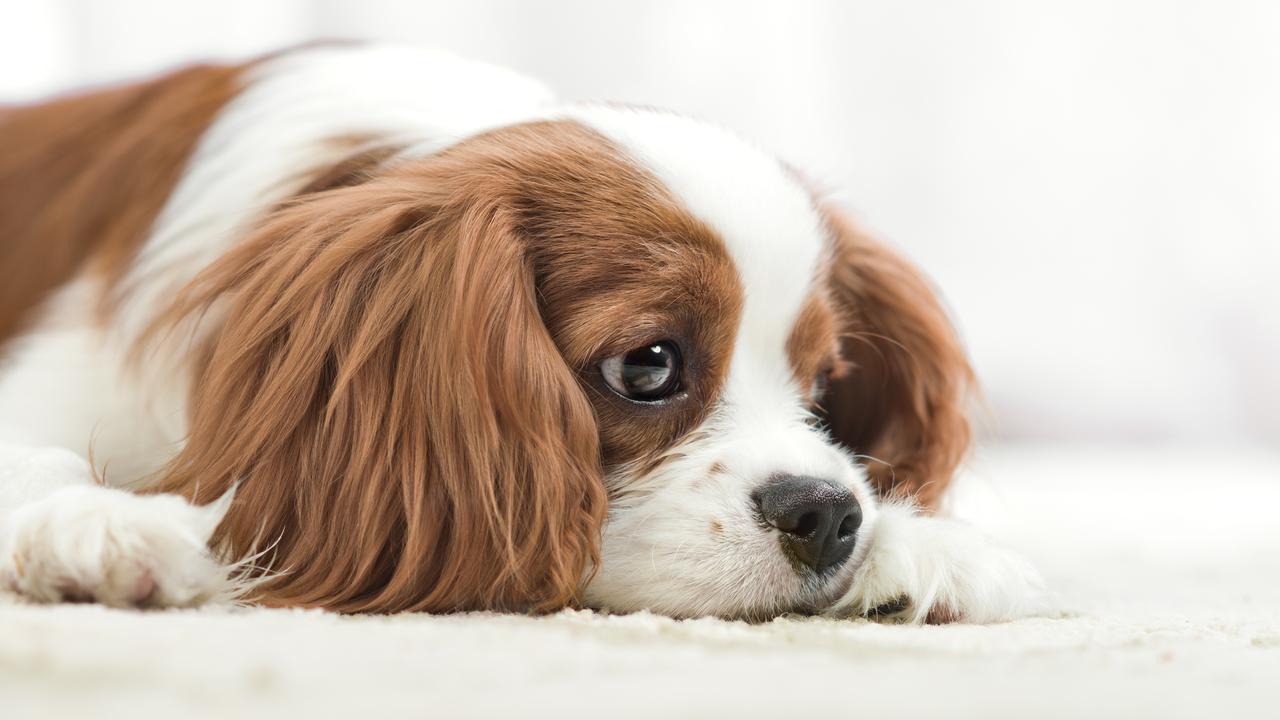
(83, 178)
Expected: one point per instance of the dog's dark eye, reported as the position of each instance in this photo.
(645, 374)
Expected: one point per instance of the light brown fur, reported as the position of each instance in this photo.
(902, 397)
(82, 179)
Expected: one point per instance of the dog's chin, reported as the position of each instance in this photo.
(803, 595)
(816, 595)
(826, 591)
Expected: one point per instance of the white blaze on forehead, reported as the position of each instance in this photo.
(765, 218)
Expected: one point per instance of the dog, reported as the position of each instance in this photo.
(378, 329)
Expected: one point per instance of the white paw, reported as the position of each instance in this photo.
(91, 543)
(31, 473)
(934, 570)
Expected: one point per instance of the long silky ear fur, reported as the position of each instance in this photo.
(902, 397)
(397, 418)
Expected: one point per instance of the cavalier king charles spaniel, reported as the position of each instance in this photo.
(376, 329)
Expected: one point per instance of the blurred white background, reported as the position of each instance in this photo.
(1095, 184)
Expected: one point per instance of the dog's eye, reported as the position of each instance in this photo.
(645, 374)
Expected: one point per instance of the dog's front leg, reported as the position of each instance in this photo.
(937, 570)
(64, 536)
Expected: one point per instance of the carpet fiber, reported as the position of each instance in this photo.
(1164, 567)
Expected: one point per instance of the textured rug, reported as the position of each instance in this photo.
(1164, 567)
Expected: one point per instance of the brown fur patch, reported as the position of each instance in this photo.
(82, 178)
(903, 397)
(717, 528)
(405, 387)
(813, 347)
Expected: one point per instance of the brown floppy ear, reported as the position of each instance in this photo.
(401, 430)
(901, 397)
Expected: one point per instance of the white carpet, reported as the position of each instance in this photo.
(1166, 572)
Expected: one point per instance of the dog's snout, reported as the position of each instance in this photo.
(818, 519)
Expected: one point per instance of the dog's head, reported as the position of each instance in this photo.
(618, 357)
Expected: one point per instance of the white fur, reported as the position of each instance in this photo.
(942, 565)
(679, 540)
(66, 384)
(63, 536)
(660, 551)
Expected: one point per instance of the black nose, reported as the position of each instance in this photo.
(819, 520)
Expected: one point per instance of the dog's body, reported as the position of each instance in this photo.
(454, 346)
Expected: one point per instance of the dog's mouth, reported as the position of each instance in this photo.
(824, 592)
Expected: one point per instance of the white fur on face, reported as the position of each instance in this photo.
(686, 539)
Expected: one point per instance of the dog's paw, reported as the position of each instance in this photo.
(934, 570)
(92, 543)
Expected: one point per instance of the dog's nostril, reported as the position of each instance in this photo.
(805, 525)
(850, 524)
(818, 519)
